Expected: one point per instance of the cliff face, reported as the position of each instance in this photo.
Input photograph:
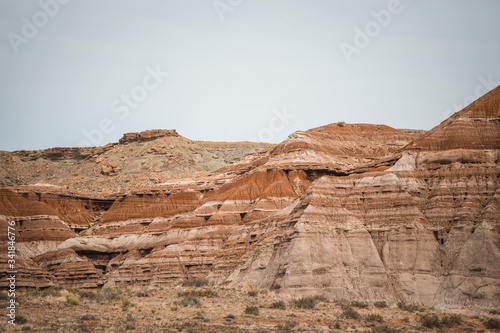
(346, 211)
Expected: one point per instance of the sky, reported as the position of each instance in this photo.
(83, 72)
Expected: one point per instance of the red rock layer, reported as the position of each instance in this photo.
(341, 210)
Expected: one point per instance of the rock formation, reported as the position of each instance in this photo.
(346, 211)
(138, 160)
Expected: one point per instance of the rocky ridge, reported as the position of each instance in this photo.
(137, 160)
(345, 211)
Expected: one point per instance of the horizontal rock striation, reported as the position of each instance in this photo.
(346, 211)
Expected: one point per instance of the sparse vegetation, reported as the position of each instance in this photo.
(4, 296)
(145, 293)
(51, 291)
(252, 310)
(359, 304)
(451, 320)
(253, 293)
(492, 323)
(73, 300)
(198, 293)
(108, 295)
(84, 327)
(304, 303)
(430, 320)
(278, 305)
(195, 282)
(188, 301)
(87, 294)
(383, 329)
(408, 307)
(374, 317)
(127, 303)
(380, 304)
(88, 317)
(349, 316)
(291, 324)
(350, 313)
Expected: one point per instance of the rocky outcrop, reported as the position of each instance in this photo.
(138, 160)
(146, 135)
(346, 211)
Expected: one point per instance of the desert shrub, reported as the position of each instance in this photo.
(84, 327)
(278, 305)
(492, 323)
(88, 317)
(406, 319)
(359, 304)
(383, 329)
(20, 319)
(126, 303)
(430, 320)
(130, 317)
(188, 301)
(380, 304)
(198, 293)
(51, 291)
(26, 328)
(4, 296)
(253, 293)
(229, 317)
(451, 320)
(408, 307)
(252, 310)
(321, 298)
(336, 326)
(73, 301)
(350, 313)
(108, 295)
(304, 303)
(374, 317)
(195, 282)
(291, 324)
(174, 308)
(87, 294)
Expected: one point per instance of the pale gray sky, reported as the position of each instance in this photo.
(67, 68)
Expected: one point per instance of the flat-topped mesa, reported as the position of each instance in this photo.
(147, 135)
